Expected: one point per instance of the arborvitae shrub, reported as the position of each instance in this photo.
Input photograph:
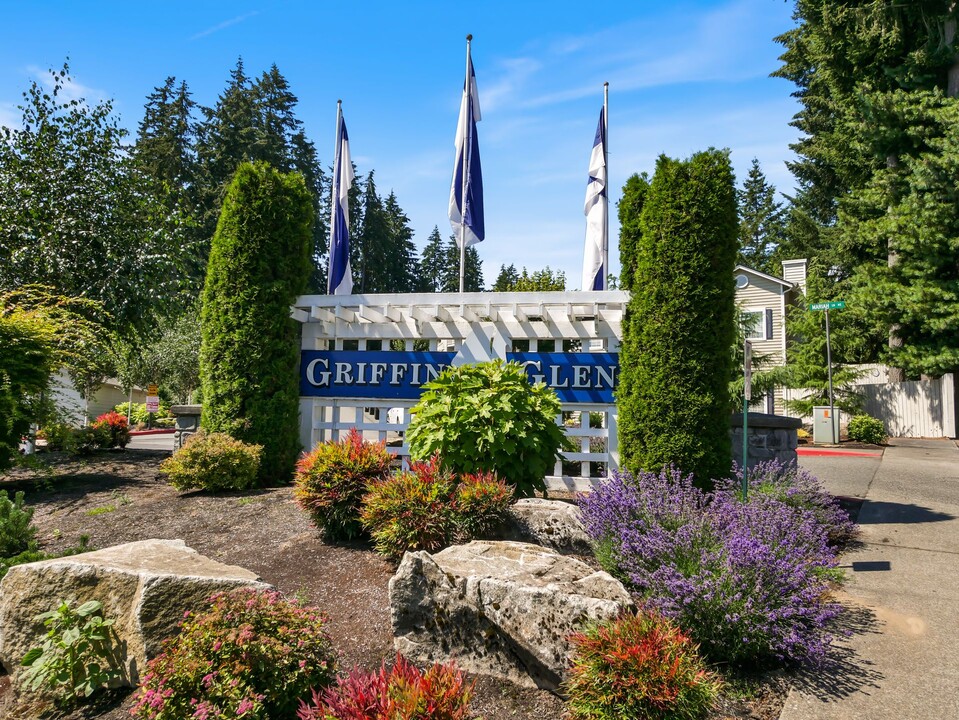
(675, 361)
(488, 417)
(259, 263)
(638, 667)
(331, 481)
(252, 654)
(401, 693)
(213, 461)
(429, 508)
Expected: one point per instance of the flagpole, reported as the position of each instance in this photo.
(467, 146)
(606, 189)
(335, 190)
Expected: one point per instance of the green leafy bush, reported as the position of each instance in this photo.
(59, 436)
(213, 461)
(330, 482)
(867, 429)
(640, 666)
(252, 655)
(90, 438)
(260, 261)
(401, 693)
(34, 555)
(428, 508)
(17, 533)
(488, 418)
(139, 414)
(78, 655)
(116, 425)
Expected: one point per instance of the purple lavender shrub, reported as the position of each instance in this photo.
(798, 488)
(749, 582)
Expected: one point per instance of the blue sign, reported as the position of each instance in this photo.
(389, 375)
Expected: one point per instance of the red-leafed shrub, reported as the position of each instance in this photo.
(428, 508)
(331, 481)
(400, 693)
(640, 666)
(253, 655)
(117, 425)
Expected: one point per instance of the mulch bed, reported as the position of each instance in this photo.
(118, 497)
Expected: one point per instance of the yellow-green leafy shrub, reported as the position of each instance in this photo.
(213, 461)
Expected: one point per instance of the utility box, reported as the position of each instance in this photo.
(824, 426)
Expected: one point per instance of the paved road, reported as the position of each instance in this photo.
(902, 660)
(151, 442)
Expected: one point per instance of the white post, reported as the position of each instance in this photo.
(335, 192)
(467, 146)
(606, 199)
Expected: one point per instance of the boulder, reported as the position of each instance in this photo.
(499, 608)
(551, 523)
(145, 586)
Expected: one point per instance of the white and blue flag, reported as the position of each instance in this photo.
(340, 280)
(466, 213)
(596, 211)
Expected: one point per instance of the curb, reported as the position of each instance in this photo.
(161, 431)
(823, 452)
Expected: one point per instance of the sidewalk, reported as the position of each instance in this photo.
(903, 659)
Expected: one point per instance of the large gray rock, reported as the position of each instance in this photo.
(498, 608)
(144, 586)
(551, 523)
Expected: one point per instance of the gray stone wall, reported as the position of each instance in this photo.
(769, 437)
(187, 423)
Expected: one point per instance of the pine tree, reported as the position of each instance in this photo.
(259, 264)
(761, 221)
(676, 355)
(506, 280)
(472, 269)
(630, 210)
(403, 269)
(432, 263)
(373, 274)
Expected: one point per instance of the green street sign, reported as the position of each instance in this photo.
(835, 305)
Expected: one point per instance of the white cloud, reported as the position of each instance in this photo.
(70, 89)
(223, 25)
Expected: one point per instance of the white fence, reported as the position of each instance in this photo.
(475, 326)
(920, 408)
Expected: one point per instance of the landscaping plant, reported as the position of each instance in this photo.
(429, 508)
(17, 533)
(213, 461)
(90, 438)
(675, 361)
(402, 692)
(867, 429)
(116, 425)
(749, 581)
(253, 654)
(78, 655)
(259, 263)
(487, 417)
(639, 667)
(800, 489)
(330, 482)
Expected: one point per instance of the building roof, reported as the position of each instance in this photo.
(785, 283)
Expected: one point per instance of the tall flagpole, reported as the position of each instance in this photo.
(335, 190)
(467, 146)
(606, 189)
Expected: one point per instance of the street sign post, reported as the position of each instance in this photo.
(826, 307)
(747, 396)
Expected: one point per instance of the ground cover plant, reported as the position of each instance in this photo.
(213, 461)
(331, 480)
(749, 581)
(487, 417)
(78, 655)
(640, 666)
(402, 692)
(428, 508)
(252, 654)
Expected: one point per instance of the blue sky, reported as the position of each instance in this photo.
(683, 76)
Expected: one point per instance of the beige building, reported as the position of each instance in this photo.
(765, 299)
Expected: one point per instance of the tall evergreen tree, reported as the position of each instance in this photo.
(259, 263)
(403, 270)
(472, 269)
(373, 274)
(432, 263)
(506, 280)
(630, 210)
(761, 221)
(545, 280)
(676, 358)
